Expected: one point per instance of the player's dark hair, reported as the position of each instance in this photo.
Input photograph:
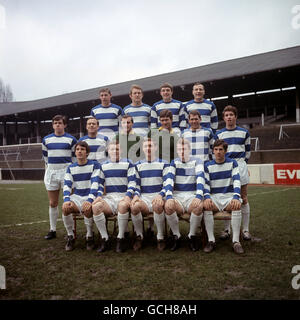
(60, 117)
(126, 116)
(84, 145)
(220, 142)
(166, 113)
(230, 108)
(195, 113)
(166, 85)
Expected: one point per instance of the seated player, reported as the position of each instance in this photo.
(150, 175)
(222, 192)
(184, 193)
(118, 176)
(96, 141)
(81, 177)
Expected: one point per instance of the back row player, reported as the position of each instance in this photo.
(144, 117)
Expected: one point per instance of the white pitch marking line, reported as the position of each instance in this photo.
(25, 223)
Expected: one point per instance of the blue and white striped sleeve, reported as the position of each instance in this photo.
(74, 141)
(211, 143)
(247, 147)
(100, 181)
(137, 191)
(154, 117)
(68, 184)
(94, 183)
(236, 181)
(45, 151)
(131, 176)
(170, 180)
(214, 118)
(200, 180)
(183, 118)
(207, 183)
(165, 173)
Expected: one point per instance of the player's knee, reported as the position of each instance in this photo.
(206, 208)
(53, 203)
(196, 211)
(158, 209)
(123, 207)
(168, 211)
(244, 199)
(97, 208)
(134, 210)
(66, 210)
(88, 214)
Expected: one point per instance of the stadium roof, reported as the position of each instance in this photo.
(284, 63)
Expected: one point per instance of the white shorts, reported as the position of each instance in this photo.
(78, 201)
(148, 201)
(243, 170)
(113, 200)
(221, 200)
(54, 179)
(184, 200)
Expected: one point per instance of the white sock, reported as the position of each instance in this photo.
(68, 223)
(89, 226)
(100, 222)
(195, 222)
(209, 225)
(137, 221)
(236, 219)
(122, 223)
(172, 220)
(227, 224)
(159, 220)
(53, 215)
(246, 216)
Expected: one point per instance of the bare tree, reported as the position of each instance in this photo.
(6, 94)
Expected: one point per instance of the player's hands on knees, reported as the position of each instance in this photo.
(135, 199)
(208, 205)
(197, 204)
(170, 205)
(235, 205)
(127, 200)
(98, 199)
(86, 206)
(158, 201)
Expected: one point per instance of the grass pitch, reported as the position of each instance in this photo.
(41, 269)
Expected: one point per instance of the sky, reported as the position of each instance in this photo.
(48, 48)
